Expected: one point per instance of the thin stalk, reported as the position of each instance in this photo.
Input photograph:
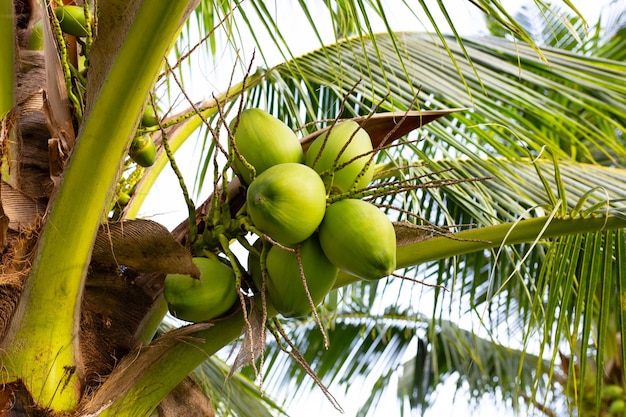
(7, 57)
(193, 228)
(41, 346)
(176, 140)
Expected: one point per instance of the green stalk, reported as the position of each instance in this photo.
(7, 57)
(491, 237)
(164, 364)
(41, 346)
(136, 390)
(175, 141)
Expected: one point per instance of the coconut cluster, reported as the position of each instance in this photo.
(292, 199)
(304, 205)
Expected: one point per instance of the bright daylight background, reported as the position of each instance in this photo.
(211, 75)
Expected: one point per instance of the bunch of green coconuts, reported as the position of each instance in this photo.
(301, 205)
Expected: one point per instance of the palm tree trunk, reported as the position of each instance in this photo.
(111, 306)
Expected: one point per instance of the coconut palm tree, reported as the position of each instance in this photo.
(501, 165)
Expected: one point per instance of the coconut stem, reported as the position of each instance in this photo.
(316, 317)
(191, 208)
(224, 242)
(279, 333)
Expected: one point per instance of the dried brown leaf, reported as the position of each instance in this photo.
(20, 209)
(253, 341)
(407, 233)
(144, 246)
(389, 126)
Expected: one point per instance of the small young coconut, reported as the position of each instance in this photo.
(149, 117)
(143, 151)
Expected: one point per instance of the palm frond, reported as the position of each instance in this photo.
(344, 19)
(549, 26)
(246, 28)
(515, 189)
(572, 94)
(362, 350)
(484, 366)
(369, 354)
(237, 396)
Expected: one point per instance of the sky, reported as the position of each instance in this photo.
(212, 76)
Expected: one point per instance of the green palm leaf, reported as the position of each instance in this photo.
(368, 352)
(363, 348)
(486, 367)
(236, 396)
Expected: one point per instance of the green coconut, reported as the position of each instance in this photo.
(263, 141)
(203, 299)
(617, 407)
(149, 116)
(287, 202)
(143, 151)
(285, 287)
(345, 142)
(612, 391)
(359, 238)
(72, 20)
